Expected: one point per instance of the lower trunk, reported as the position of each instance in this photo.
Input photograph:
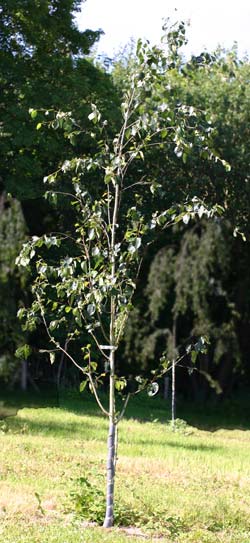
(173, 371)
(111, 461)
(173, 393)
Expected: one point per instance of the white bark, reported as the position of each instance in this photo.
(111, 455)
(111, 460)
(173, 402)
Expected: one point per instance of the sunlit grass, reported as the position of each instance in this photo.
(187, 486)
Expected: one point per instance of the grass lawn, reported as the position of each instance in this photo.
(187, 486)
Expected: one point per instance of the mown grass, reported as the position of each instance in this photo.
(187, 486)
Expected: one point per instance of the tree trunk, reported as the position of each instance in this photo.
(173, 406)
(111, 445)
(111, 461)
(173, 393)
(111, 457)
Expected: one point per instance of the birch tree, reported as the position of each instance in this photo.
(86, 278)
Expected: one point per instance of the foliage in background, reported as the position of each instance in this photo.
(188, 287)
(43, 64)
(13, 282)
(216, 83)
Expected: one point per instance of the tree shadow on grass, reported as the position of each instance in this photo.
(81, 430)
(11, 403)
(71, 401)
(88, 431)
(201, 447)
(228, 415)
(196, 447)
(7, 411)
(225, 416)
(16, 399)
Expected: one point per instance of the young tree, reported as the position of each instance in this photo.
(86, 281)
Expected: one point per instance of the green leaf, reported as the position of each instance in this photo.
(95, 251)
(137, 243)
(38, 126)
(33, 113)
(83, 386)
(21, 313)
(134, 245)
(91, 309)
(194, 355)
(186, 218)
(92, 116)
(23, 261)
(131, 249)
(53, 325)
(91, 233)
(120, 384)
(52, 357)
(23, 352)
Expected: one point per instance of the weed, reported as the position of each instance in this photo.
(39, 506)
(88, 499)
(3, 428)
(180, 426)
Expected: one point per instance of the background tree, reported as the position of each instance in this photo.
(43, 64)
(13, 283)
(188, 294)
(43, 60)
(217, 84)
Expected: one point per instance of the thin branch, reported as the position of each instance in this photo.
(101, 325)
(96, 395)
(141, 182)
(98, 345)
(139, 268)
(104, 229)
(124, 408)
(109, 218)
(156, 377)
(59, 347)
(62, 193)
